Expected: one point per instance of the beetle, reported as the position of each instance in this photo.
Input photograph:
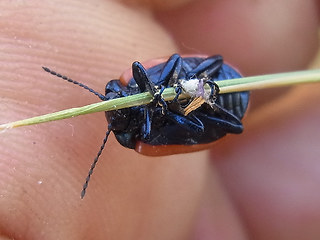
(177, 126)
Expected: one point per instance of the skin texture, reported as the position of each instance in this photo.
(263, 184)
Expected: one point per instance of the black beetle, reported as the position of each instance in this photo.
(148, 124)
(151, 128)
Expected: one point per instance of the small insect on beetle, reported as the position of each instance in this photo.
(177, 126)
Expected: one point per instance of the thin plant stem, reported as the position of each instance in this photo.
(226, 86)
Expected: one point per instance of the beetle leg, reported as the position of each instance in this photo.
(148, 113)
(228, 126)
(146, 126)
(144, 83)
(178, 90)
(207, 68)
(196, 123)
(226, 121)
(170, 73)
(160, 101)
(189, 123)
(171, 70)
(140, 76)
(214, 91)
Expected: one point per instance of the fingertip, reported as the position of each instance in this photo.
(245, 34)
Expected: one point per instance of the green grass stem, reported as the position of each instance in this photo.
(226, 86)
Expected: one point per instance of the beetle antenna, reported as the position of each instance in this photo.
(93, 165)
(101, 96)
